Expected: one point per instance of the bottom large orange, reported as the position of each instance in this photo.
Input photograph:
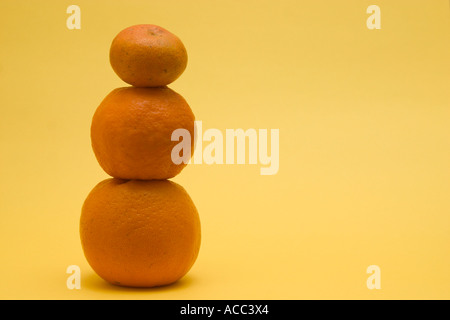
(140, 233)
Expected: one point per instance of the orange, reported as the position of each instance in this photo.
(140, 233)
(147, 56)
(131, 132)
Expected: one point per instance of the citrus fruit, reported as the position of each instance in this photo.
(140, 233)
(147, 55)
(131, 132)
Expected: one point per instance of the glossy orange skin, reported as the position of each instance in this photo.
(147, 56)
(140, 233)
(131, 132)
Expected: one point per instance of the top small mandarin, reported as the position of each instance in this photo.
(147, 56)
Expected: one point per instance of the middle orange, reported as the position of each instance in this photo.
(131, 132)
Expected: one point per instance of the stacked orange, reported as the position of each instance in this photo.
(138, 228)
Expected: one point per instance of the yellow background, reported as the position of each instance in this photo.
(364, 119)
